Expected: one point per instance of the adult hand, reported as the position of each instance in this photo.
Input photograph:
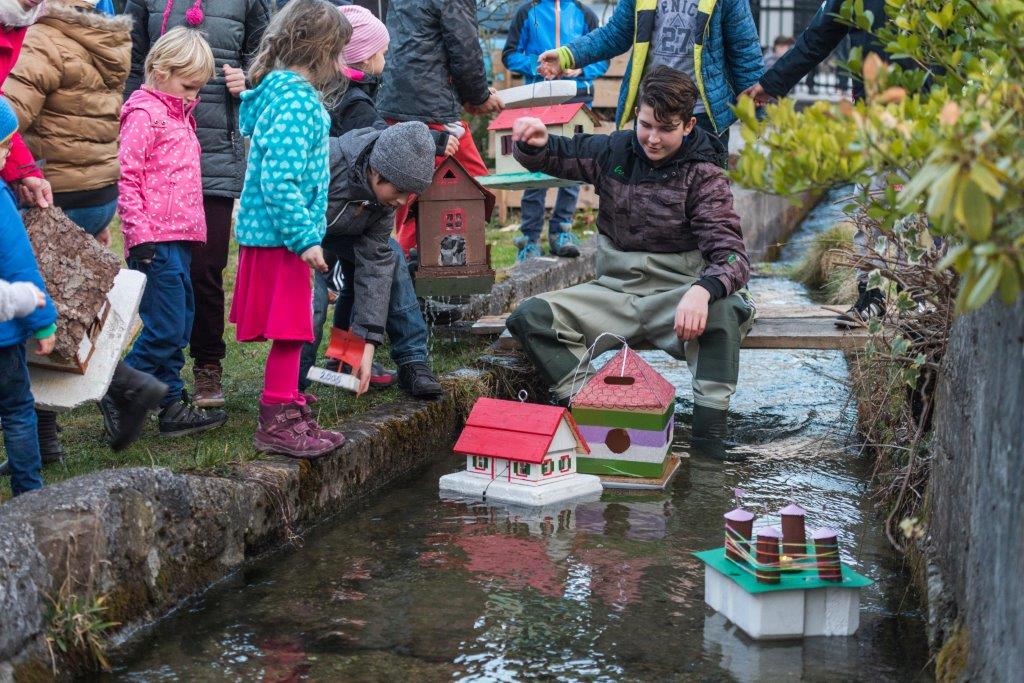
(365, 369)
(492, 105)
(314, 258)
(548, 65)
(40, 297)
(530, 130)
(757, 93)
(234, 79)
(452, 146)
(45, 346)
(35, 191)
(692, 313)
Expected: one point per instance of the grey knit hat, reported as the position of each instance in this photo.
(404, 155)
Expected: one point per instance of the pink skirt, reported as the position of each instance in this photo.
(273, 296)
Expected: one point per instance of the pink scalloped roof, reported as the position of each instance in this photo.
(649, 390)
(793, 509)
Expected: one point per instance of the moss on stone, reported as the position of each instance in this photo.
(951, 661)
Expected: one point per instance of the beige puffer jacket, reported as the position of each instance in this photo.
(67, 88)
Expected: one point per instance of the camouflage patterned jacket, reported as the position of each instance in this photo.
(682, 204)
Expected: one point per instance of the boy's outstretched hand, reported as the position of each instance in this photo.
(365, 369)
(314, 258)
(531, 131)
(692, 313)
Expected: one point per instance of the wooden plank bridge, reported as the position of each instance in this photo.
(777, 327)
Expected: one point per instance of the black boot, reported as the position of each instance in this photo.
(417, 380)
(132, 394)
(709, 433)
(49, 443)
(870, 304)
(183, 417)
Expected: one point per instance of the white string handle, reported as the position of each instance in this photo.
(588, 357)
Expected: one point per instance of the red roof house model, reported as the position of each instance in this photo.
(553, 115)
(627, 382)
(514, 430)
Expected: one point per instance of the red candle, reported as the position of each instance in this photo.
(739, 526)
(826, 555)
(768, 555)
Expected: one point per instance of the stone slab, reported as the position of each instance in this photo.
(61, 391)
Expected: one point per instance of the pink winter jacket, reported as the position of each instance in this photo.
(161, 186)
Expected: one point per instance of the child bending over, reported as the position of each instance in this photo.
(671, 262)
(161, 207)
(281, 216)
(25, 311)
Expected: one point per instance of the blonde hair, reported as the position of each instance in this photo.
(308, 35)
(181, 51)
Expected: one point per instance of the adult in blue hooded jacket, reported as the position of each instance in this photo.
(714, 42)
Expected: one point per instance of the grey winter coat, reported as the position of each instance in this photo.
(358, 229)
(233, 29)
(434, 61)
(17, 299)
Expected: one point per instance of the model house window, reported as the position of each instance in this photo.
(564, 463)
(480, 462)
(548, 467)
(506, 144)
(449, 178)
(617, 440)
(578, 129)
(454, 220)
(521, 469)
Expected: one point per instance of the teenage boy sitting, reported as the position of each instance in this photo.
(671, 264)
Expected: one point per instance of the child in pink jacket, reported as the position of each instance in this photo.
(161, 208)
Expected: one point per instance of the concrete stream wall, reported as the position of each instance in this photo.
(975, 545)
(150, 538)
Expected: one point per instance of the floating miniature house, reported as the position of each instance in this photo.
(772, 589)
(625, 413)
(520, 453)
(560, 119)
(453, 213)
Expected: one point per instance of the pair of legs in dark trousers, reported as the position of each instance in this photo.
(406, 329)
(208, 263)
(18, 416)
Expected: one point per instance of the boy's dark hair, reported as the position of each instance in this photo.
(669, 93)
(784, 40)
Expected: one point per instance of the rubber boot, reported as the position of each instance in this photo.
(49, 441)
(283, 429)
(132, 394)
(709, 434)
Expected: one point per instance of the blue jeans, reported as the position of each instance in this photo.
(406, 328)
(18, 416)
(532, 208)
(167, 309)
(93, 219)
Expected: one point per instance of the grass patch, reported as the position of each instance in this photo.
(499, 236)
(823, 268)
(213, 452)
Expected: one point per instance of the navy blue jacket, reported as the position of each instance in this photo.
(533, 32)
(18, 264)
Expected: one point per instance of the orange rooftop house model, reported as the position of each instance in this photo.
(560, 119)
(453, 254)
(520, 453)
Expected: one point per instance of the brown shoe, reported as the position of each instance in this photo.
(209, 393)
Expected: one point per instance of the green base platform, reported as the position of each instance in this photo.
(522, 181)
(789, 580)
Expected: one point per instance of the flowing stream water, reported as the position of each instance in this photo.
(410, 587)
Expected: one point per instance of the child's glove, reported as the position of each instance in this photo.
(143, 254)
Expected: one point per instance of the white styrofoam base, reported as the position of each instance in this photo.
(539, 94)
(784, 614)
(501, 491)
(60, 391)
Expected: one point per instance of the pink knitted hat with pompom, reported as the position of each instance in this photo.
(369, 35)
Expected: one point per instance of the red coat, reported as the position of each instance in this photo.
(20, 163)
